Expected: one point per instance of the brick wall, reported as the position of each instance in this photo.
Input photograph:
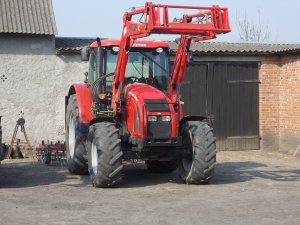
(290, 103)
(280, 102)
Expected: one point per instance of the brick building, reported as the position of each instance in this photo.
(278, 81)
(280, 101)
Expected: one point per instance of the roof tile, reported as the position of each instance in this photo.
(27, 17)
(72, 44)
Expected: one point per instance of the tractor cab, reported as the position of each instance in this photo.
(148, 63)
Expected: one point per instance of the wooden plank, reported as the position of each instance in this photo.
(242, 81)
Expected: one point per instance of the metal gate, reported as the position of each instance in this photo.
(227, 94)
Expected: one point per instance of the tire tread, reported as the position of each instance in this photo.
(77, 164)
(105, 137)
(204, 155)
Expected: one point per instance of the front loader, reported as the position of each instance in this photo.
(129, 106)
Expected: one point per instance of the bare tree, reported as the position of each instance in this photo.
(253, 30)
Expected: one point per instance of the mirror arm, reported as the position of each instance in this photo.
(86, 80)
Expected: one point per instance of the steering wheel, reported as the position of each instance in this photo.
(132, 78)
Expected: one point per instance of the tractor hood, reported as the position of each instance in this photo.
(142, 101)
(140, 92)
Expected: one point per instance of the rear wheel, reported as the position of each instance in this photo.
(76, 136)
(196, 165)
(156, 166)
(105, 155)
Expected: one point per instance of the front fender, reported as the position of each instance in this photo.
(84, 101)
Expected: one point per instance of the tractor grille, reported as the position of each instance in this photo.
(158, 129)
(157, 105)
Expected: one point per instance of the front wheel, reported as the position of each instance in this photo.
(196, 165)
(105, 155)
(76, 135)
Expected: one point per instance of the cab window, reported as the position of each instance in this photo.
(144, 66)
(92, 70)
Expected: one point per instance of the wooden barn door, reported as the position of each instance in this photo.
(227, 94)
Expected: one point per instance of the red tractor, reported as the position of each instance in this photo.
(129, 106)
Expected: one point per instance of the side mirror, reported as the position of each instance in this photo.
(85, 54)
(190, 57)
(86, 80)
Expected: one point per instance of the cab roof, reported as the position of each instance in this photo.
(136, 44)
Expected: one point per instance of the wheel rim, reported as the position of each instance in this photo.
(71, 135)
(187, 160)
(187, 164)
(94, 156)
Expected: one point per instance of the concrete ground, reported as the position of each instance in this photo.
(250, 187)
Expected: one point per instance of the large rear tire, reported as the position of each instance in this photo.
(156, 166)
(76, 136)
(105, 155)
(196, 165)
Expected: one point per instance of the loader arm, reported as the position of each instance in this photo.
(203, 25)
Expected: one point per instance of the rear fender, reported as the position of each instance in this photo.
(84, 102)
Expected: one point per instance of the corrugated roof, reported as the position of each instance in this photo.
(74, 45)
(27, 17)
(249, 48)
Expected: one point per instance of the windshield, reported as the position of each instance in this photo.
(144, 66)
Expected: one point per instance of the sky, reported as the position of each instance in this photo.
(98, 18)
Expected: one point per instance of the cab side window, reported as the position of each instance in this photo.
(92, 70)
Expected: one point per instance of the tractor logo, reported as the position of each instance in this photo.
(139, 45)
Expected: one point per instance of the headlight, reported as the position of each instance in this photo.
(166, 118)
(159, 50)
(152, 118)
(116, 48)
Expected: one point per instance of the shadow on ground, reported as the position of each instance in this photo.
(19, 175)
(139, 176)
(225, 173)
(237, 172)
(136, 176)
